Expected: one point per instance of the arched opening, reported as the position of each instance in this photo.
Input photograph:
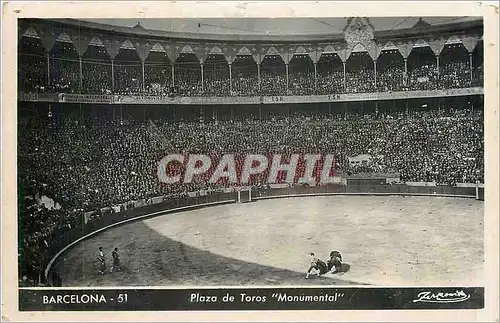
(187, 75)
(478, 65)
(96, 70)
(128, 72)
(244, 73)
(32, 65)
(422, 71)
(455, 70)
(301, 75)
(158, 73)
(64, 68)
(216, 75)
(390, 70)
(330, 74)
(273, 75)
(360, 74)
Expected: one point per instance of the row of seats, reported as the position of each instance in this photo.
(128, 79)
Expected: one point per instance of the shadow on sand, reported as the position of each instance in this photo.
(151, 259)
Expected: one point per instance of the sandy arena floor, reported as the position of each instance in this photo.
(388, 240)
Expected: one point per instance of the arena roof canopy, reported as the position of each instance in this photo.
(357, 34)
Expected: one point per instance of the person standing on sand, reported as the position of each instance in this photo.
(116, 261)
(101, 260)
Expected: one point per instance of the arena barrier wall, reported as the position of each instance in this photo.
(98, 224)
(363, 189)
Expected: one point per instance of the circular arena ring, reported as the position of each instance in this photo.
(385, 240)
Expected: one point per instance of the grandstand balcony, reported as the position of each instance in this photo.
(77, 57)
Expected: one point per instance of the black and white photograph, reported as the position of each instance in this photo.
(252, 163)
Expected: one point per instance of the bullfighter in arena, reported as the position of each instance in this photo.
(100, 259)
(318, 265)
(116, 261)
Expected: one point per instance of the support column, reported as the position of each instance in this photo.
(286, 70)
(143, 78)
(405, 80)
(230, 79)
(470, 66)
(81, 73)
(258, 76)
(375, 71)
(173, 74)
(437, 65)
(315, 76)
(48, 69)
(112, 75)
(345, 80)
(202, 81)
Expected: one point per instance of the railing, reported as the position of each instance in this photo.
(366, 189)
(104, 222)
(151, 99)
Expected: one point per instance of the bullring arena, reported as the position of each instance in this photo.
(121, 128)
(267, 242)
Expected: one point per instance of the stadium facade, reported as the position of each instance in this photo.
(172, 68)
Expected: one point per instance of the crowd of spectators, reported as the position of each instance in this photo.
(96, 78)
(93, 164)
(301, 83)
(330, 82)
(424, 78)
(39, 226)
(391, 77)
(216, 82)
(244, 82)
(88, 164)
(478, 76)
(455, 75)
(64, 75)
(188, 81)
(360, 81)
(273, 83)
(128, 79)
(85, 165)
(32, 73)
